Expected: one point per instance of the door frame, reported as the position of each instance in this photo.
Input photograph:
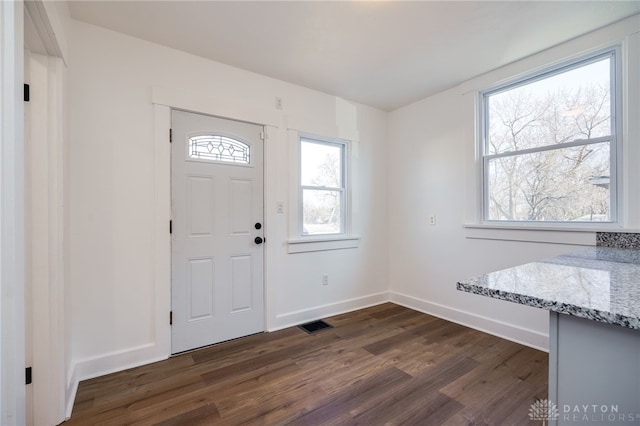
(44, 219)
(164, 100)
(44, 241)
(12, 338)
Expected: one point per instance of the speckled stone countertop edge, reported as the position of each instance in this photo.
(562, 308)
(618, 239)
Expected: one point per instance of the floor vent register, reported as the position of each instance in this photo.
(315, 326)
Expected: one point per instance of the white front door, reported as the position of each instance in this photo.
(216, 240)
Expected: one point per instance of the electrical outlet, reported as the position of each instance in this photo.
(432, 220)
(325, 279)
(278, 103)
(280, 207)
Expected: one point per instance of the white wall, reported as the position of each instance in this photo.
(432, 171)
(119, 302)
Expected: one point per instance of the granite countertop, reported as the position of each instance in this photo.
(597, 283)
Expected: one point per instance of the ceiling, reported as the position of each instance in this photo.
(385, 54)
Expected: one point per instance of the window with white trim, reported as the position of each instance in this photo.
(549, 145)
(322, 186)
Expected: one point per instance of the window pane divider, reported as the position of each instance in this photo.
(574, 143)
(322, 188)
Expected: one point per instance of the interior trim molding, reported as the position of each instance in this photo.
(500, 329)
(295, 318)
(42, 23)
(199, 103)
(104, 364)
(12, 221)
(72, 389)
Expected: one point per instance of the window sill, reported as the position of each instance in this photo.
(538, 233)
(304, 245)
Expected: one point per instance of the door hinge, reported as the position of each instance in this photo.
(170, 226)
(170, 135)
(26, 92)
(262, 135)
(170, 317)
(28, 375)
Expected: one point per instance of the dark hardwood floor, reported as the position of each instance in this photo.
(385, 365)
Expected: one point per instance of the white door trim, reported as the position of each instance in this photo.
(12, 340)
(210, 105)
(164, 100)
(162, 244)
(43, 27)
(44, 191)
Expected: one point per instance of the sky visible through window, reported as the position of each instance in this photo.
(313, 158)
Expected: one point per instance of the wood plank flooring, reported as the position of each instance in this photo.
(385, 365)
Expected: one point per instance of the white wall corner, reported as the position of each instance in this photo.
(113, 362)
(501, 329)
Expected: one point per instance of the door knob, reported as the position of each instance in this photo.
(258, 240)
(258, 225)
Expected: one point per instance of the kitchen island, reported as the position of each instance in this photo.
(593, 295)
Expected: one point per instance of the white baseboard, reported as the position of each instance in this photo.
(89, 368)
(501, 329)
(109, 363)
(291, 319)
(133, 357)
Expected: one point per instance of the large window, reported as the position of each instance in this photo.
(549, 145)
(322, 186)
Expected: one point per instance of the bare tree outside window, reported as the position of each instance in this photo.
(548, 145)
(322, 185)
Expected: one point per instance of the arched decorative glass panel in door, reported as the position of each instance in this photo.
(219, 148)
